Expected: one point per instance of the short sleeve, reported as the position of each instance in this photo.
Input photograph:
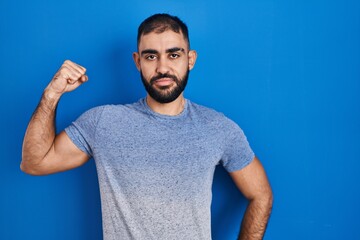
(237, 152)
(82, 132)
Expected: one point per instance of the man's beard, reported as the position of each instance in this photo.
(165, 94)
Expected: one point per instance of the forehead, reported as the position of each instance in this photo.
(162, 41)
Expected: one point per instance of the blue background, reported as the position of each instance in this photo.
(288, 72)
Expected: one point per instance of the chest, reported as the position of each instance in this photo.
(158, 159)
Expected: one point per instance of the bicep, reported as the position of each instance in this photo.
(252, 180)
(63, 155)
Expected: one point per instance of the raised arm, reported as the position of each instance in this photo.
(254, 185)
(43, 152)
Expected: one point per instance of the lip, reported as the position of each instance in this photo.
(163, 82)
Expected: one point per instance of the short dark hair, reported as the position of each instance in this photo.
(160, 23)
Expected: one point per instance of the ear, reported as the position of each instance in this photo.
(192, 58)
(136, 58)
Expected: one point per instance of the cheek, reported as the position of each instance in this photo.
(183, 68)
(146, 69)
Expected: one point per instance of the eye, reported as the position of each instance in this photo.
(174, 55)
(150, 57)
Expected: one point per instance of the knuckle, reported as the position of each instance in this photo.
(63, 70)
(75, 75)
(64, 67)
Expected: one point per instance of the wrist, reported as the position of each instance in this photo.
(51, 94)
(51, 98)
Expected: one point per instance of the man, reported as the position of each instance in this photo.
(155, 158)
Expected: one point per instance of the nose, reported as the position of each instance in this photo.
(162, 66)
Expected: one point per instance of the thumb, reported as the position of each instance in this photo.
(84, 78)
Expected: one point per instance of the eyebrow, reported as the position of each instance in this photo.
(149, 51)
(170, 50)
(175, 49)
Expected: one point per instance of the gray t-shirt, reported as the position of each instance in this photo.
(156, 171)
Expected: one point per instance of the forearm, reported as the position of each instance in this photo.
(40, 133)
(255, 219)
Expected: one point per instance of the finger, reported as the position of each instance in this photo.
(74, 63)
(75, 67)
(81, 67)
(69, 74)
(74, 85)
(81, 80)
(71, 81)
(84, 78)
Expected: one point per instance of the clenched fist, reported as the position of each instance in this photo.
(69, 77)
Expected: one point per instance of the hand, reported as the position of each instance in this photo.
(68, 78)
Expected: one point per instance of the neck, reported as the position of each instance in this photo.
(172, 108)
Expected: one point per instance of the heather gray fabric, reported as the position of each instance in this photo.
(156, 171)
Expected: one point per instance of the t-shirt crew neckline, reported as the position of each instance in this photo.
(182, 114)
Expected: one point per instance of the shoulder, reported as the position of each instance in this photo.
(203, 111)
(91, 113)
(211, 116)
(116, 113)
(111, 109)
(98, 112)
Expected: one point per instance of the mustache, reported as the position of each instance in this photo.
(164, 75)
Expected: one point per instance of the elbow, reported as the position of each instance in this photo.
(264, 200)
(30, 164)
(268, 197)
(270, 200)
(30, 169)
(267, 200)
(24, 168)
